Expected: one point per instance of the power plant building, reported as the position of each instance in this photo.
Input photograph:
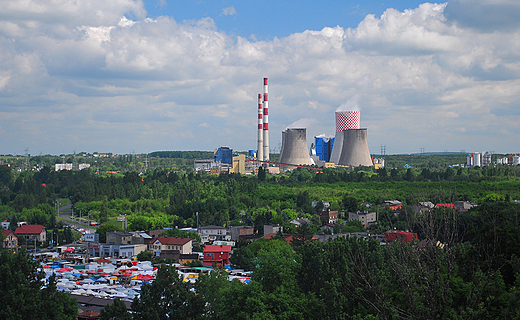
(223, 155)
(294, 147)
(355, 151)
(324, 145)
(350, 144)
(345, 120)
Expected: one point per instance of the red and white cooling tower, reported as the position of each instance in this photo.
(266, 122)
(260, 150)
(350, 144)
(345, 120)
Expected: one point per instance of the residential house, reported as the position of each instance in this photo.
(218, 254)
(446, 205)
(183, 245)
(31, 232)
(464, 205)
(399, 235)
(121, 238)
(156, 233)
(188, 258)
(423, 207)
(10, 240)
(365, 217)
(326, 204)
(272, 228)
(298, 222)
(393, 204)
(239, 231)
(212, 233)
(327, 216)
(287, 237)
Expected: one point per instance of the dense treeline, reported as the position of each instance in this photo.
(465, 267)
(165, 198)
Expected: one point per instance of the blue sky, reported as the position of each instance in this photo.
(268, 19)
(125, 75)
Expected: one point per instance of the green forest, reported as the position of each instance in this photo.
(464, 266)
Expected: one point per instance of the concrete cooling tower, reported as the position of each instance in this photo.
(283, 144)
(294, 147)
(355, 149)
(345, 120)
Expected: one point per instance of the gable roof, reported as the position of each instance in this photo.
(29, 229)
(7, 232)
(217, 248)
(287, 237)
(173, 241)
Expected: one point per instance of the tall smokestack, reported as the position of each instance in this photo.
(260, 151)
(266, 122)
(345, 120)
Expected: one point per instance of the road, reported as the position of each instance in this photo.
(64, 214)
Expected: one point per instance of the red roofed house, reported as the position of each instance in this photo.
(287, 237)
(399, 235)
(216, 253)
(446, 205)
(10, 241)
(171, 243)
(32, 231)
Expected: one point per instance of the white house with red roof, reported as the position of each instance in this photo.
(32, 231)
(172, 243)
(10, 240)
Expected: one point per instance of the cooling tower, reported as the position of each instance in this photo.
(294, 147)
(345, 120)
(355, 151)
(283, 144)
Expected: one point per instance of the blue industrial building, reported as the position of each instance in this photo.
(324, 147)
(223, 155)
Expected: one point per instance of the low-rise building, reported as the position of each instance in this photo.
(423, 207)
(298, 222)
(114, 250)
(464, 205)
(327, 216)
(183, 245)
(121, 238)
(10, 240)
(212, 233)
(365, 217)
(272, 228)
(240, 231)
(216, 254)
(31, 232)
(399, 235)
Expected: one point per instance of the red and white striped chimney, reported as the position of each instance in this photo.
(266, 122)
(260, 151)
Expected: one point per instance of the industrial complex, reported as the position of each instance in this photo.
(348, 147)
